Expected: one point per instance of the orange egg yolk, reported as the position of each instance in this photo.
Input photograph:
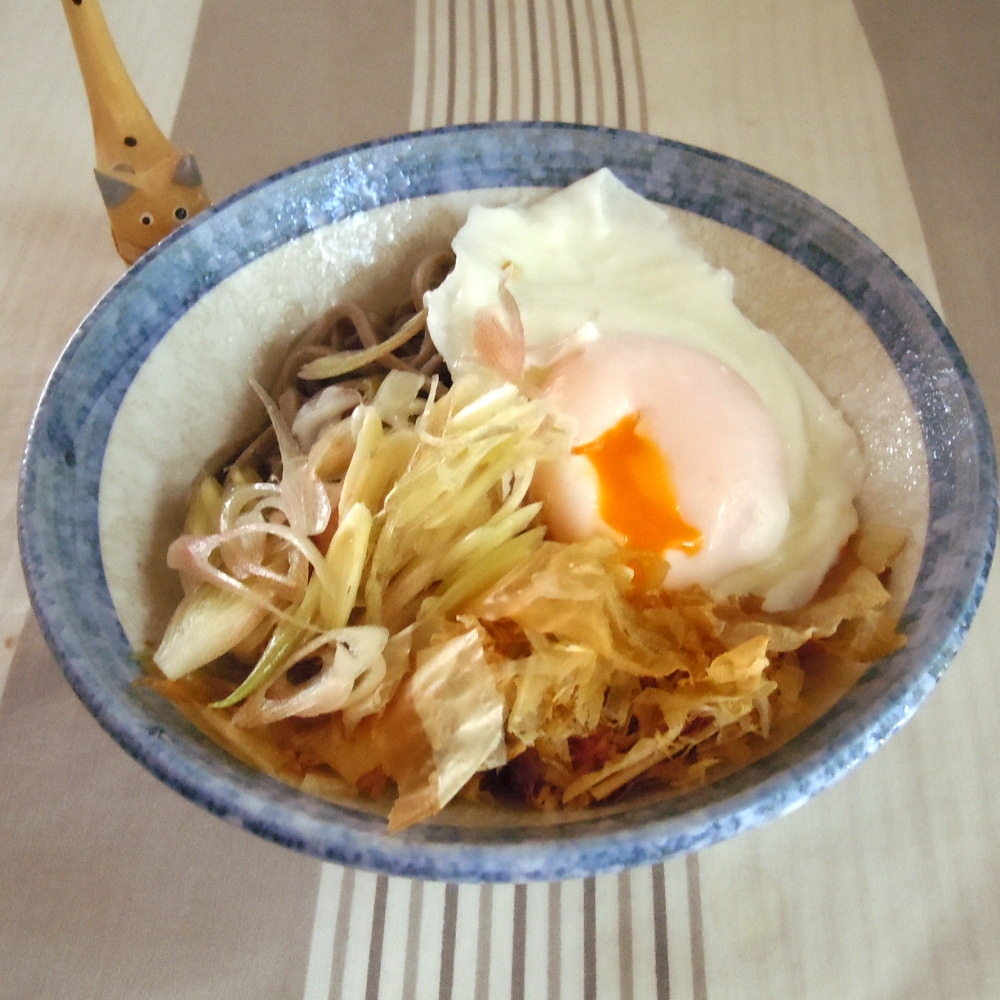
(636, 495)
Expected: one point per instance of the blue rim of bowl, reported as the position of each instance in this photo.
(59, 537)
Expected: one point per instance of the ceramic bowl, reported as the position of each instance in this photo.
(155, 382)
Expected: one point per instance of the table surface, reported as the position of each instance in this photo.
(885, 886)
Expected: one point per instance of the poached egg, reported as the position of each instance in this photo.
(696, 434)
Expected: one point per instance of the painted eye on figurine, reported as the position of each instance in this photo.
(146, 219)
(180, 213)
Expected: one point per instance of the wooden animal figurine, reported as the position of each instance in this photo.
(149, 187)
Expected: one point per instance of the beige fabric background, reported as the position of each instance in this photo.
(111, 886)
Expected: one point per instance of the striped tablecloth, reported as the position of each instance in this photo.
(887, 886)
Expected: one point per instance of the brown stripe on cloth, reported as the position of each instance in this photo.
(412, 955)
(378, 938)
(940, 66)
(341, 933)
(448, 933)
(115, 845)
(271, 84)
(519, 943)
(697, 928)
(625, 958)
(595, 73)
(574, 46)
(661, 955)
(554, 942)
(483, 940)
(589, 939)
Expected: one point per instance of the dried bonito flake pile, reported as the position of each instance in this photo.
(386, 615)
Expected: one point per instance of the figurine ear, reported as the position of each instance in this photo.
(113, 190)
(187, 173)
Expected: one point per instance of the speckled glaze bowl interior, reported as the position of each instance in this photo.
(156, 382)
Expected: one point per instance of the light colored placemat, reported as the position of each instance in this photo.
(883, 887)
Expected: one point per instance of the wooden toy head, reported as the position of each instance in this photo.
(144, 207)
(149, 187)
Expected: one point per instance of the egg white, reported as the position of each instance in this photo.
(596, 261)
